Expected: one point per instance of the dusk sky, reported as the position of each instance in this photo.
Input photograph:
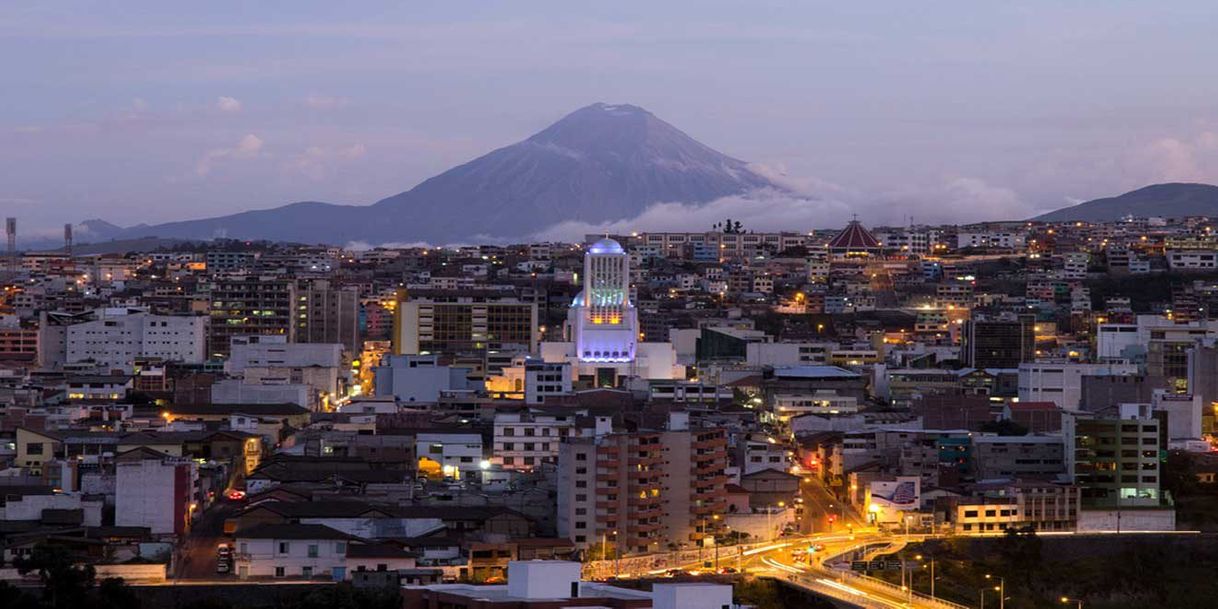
(951, 111)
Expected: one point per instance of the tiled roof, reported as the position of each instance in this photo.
(854, 237)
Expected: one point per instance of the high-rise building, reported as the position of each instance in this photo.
(327, 314)
(444, 321)
(251, 304)
(603, 321)
(640, 490)
(998, 344)
(1116, 460)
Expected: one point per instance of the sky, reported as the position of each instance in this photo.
(150, 111)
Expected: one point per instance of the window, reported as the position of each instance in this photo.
(340, 547)
(284, 547)
(33, 448)
(312, 550)
(279, 571)
(306, 571)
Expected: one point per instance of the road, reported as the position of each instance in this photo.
(821, 576)
(819, 505)
(197, 554)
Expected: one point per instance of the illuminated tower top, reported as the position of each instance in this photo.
(606, 283)
(603, 318)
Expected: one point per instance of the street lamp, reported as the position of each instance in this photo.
(1001, 588)
(932, 575)
(768, 524)
(1067, 600)
(617, 556)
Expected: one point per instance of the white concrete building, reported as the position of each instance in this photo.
(155, 490)
(458, 454)
(759, 353)
(1192, 260)
(418, 378)
(544, 379)
(991, 239)
(120, 335)
(757, 452)
(1062, 383)
(301, 551)
(237, 391)
(1118, 342)
(29, 505)
(523, 440)
(273, 351)
(821, 401)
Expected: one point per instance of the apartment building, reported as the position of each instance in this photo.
(1116, 460)
(1062, 382)
(994, 508)
(526, 439)
(727, 245)
(544, 379)
(639, 491)
(437, 321)
(244, 305)
(997, 457)
(117, 337)
(997, 343)
(328, 314)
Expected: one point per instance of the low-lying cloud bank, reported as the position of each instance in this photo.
(763, 210)
(956, 200)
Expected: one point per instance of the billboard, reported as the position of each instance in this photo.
(904, 493)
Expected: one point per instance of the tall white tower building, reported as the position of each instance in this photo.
(603, 321)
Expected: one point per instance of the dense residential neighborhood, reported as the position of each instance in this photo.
(441, 418)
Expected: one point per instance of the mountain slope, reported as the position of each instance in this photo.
(1172, 200)
(600, 163)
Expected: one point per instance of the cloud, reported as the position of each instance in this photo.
(1177, 159)
(228, 104)
(363, 246)
(819, 205)
(762, 210)
(248, 147)
(319, 162)
(977, 199)
(813, 187)
(325, 102)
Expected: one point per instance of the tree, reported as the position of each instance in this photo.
(113, 593)
(64, 583)
(345, 596)
(1020, 552)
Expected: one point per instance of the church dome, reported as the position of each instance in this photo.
(606, 246)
